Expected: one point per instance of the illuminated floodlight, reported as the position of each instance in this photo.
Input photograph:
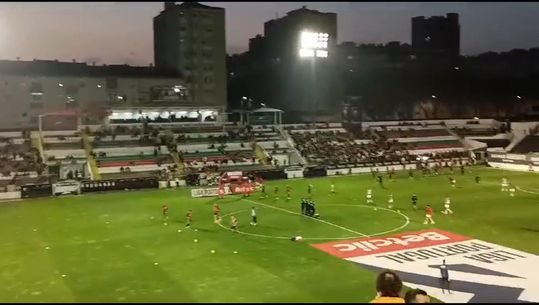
(313, 44)
(306, 53)
(321, 53)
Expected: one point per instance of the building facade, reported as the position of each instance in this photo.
(189, 39)
(275, 72)
(31, 88)
(437, 37)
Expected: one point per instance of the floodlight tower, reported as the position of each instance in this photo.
(313, 45)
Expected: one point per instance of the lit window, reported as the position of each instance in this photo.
(60, 85)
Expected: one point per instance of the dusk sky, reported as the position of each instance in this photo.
(121, 32)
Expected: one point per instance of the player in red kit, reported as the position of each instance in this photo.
(189, 218)
(165, 211)
(216, 213)
(221, 192)
(428, 215)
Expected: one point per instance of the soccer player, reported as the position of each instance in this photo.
(309, 189)
(288, 192)
(276, 193)
(221, 192)
(369, 196)
(452, 181)
(165, 211)
(462, 169)
(428, 215)
(189, 218)
(381, 180)
(234, 223)
(444, 272)
(253, 216)
(477, 178)
(447, 206)
(414, 201)
(332, 188)
(511, 190)
(216, 213)
(303, 206)
(263, 190)
(505, 184)
(411, 174)
(390, 201)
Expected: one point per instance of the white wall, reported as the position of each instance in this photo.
(129, 151)
(137, 168)
(62, 153)
(11, 134)
(10, 195)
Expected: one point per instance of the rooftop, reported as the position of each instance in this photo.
(58, 68)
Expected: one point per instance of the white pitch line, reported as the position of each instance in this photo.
(316, 219)
(526, 191)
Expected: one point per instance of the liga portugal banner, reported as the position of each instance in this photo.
(479, 271)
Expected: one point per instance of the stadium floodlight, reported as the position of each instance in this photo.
(313, 44)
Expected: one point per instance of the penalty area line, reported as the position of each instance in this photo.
(299, 214)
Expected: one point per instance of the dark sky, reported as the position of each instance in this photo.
(121, 32)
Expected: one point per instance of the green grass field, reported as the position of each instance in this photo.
(115, 247)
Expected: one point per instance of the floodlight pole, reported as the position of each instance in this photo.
(315, 99)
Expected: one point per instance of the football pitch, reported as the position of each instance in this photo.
(116, 247)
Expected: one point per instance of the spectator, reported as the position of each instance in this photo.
(388, 287)
(416, 296)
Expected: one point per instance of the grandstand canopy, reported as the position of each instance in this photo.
(265, 116)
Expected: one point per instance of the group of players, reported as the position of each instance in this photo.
(308, 206)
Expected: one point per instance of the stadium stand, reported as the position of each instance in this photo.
(528, 145)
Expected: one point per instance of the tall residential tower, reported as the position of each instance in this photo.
(189, 38)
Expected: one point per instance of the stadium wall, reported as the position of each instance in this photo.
(514, 162)
(10, 195)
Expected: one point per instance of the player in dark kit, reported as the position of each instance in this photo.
(462, 169)
(414, 201)
(444, 279)
(381, 181)
(263, 190)
(477, 178)
(309, 189)
(411, 174)
(303, 206)
(276, 193)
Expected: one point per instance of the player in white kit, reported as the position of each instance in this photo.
(369, 196)
(333, 188)
(447, 206)
(390, 201)
(505, 185)
(511, 190)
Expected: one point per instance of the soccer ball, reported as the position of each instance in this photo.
(196, 240)
(166, 224)
(196, 230)
(235, 252)
(212, 251)
(179, 231)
